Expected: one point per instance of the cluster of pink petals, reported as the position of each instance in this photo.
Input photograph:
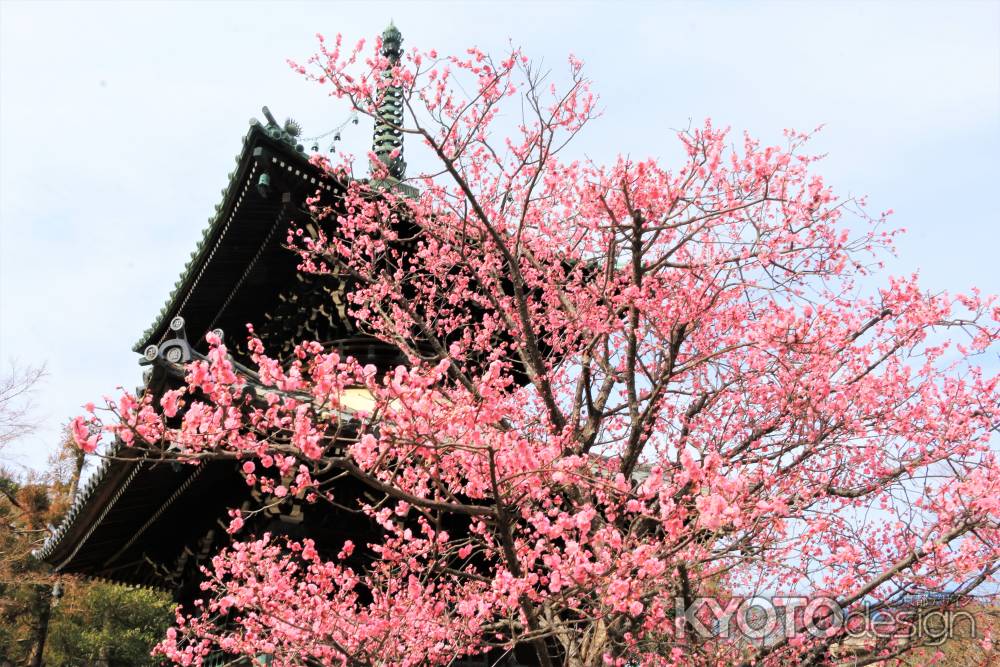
(646, 384)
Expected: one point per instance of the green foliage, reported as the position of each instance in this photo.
(24, 582)
(96, 620)
(93, 623)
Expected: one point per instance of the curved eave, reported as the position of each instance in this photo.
(239, 186)
(92, 501)
(122, 468)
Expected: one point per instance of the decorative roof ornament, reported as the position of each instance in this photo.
(388, 135)
(392, 43)
(288, 132)
(292, 127)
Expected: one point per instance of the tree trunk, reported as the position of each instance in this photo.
(43, 595)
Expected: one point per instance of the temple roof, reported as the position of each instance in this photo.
(82, 499)
(236, 268)
(289, 157)
(136, 512)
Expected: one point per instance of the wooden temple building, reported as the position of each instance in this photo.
(150, 522)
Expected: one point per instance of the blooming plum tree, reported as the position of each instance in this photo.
(629, 388)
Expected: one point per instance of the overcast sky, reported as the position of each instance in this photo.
(119, 123)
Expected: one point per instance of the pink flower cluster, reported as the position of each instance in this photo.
(628, 385)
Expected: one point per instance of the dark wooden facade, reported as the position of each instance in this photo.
(149, 522)
(142, 520)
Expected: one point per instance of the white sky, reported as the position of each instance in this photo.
(119, 123)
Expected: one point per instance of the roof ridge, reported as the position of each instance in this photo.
(215, 222)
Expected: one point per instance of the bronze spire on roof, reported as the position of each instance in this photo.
(388, 137)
